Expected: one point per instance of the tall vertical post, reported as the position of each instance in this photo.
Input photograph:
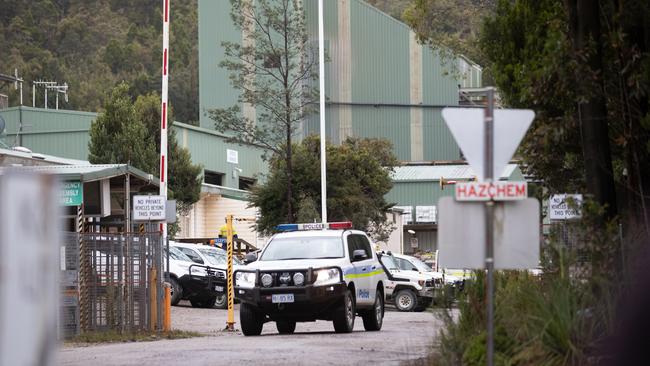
(489, 223)
(230, 322)
(164, 160)
(33, 94)
(321, 91)
(84, 270)
(45, 103)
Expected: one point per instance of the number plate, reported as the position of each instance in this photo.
(281, 298)
(218, 288)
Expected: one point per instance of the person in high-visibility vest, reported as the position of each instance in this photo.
(223, 233)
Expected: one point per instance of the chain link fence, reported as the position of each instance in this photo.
(111, 281)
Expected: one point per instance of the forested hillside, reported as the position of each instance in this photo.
(93, 45)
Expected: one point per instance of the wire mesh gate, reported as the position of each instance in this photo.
(115, 281)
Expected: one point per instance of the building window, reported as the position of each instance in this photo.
(214, 178)
(246, 183)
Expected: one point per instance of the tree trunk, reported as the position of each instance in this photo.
(584, 23)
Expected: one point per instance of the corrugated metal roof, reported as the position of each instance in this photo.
(88, 173)
(415, 173)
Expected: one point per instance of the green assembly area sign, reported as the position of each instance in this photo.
(72, 193)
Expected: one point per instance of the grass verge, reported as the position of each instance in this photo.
(117, 337)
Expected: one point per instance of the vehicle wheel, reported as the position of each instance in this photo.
(423, 304)
(374, 318)
(177, 291)
(221, 301)
(251, 320)
(405, 300)
(203, 302)
(344, 314)
(286, 327)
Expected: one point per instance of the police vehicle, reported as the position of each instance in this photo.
(312, 272)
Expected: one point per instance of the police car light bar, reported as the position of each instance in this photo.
(315, 226)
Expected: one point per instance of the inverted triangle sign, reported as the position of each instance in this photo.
(467, 125)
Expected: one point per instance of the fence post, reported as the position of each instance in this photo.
(153, 296)
(84, 269)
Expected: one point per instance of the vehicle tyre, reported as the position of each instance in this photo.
(405, 300)
(285, 327)
(177, 291)
(206, 302)
(423, 304)
(343, 318)
(251, 320)
(221, 301)
(374, 318)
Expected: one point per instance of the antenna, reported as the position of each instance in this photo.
(59, 89)
(46, 86)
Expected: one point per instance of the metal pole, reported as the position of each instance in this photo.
(57, 100)
(45, 103)
(489, 223)
(230, 322)
(33, 94)
(321, 91)
(164, 123)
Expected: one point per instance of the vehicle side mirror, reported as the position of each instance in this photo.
(414, 269)
(359, 255)
(250, 257)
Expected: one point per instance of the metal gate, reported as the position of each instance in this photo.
(115, 279)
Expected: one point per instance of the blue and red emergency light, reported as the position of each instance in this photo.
(315, 226)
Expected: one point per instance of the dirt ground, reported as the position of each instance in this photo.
(404, 336)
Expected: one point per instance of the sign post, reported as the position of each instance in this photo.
(488, 152)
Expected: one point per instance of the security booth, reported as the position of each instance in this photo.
(106, 282)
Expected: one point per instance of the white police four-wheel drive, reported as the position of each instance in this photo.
(318, 272)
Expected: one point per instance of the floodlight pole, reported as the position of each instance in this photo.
(489, 223)
(321, 79)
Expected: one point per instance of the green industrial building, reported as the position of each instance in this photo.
(379, 82)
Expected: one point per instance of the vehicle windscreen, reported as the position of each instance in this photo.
(303, 248)
(217, 257)
(176, 254)
(421, 266)
(388, 262)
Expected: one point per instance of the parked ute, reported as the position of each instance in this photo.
(408, 290)
(206, 282)
(310, 272)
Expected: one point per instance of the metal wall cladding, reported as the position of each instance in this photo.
(61, 133)
(439, 143)
(380, 56)
(417, 193)
(209, 149)
(391, 123)
(215, 26)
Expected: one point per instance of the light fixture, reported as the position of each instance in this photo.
(412, 232)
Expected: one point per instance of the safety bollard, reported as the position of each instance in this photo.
(167, 310)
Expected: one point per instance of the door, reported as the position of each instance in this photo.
(362, 270)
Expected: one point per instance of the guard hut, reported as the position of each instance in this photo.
(105, 260)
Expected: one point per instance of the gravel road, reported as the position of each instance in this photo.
(404, 336)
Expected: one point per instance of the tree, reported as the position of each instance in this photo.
(358, 177)
(129, 132)
(273, 70)
(583, 66)
(450, 26)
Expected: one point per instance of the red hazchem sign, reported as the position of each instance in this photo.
(497, 191)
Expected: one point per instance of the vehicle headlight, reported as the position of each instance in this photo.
(199, 271)
(327, 276)
(421, 282)
(245, 279)
(298, 279)
(267, 280)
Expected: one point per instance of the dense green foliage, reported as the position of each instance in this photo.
(94, 45)
(358, 177)
(129, 131)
